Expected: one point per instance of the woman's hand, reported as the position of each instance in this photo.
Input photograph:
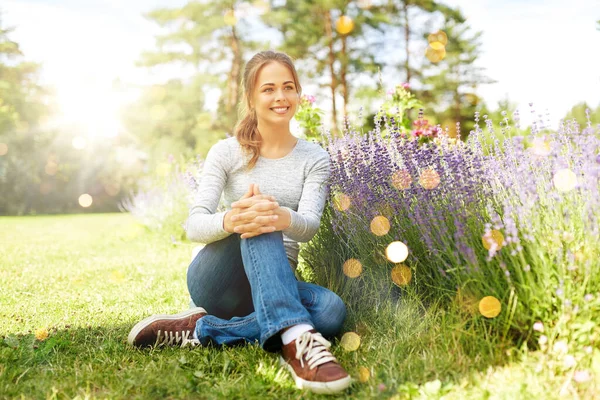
(257, 214)
(257, 210)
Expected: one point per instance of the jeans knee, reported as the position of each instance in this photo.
(333, 316)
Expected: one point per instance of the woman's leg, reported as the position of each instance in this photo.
(327, 312)
(217, 281)
(218, 272)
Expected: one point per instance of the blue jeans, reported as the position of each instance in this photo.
(251, 293)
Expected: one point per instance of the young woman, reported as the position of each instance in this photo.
(244, 276)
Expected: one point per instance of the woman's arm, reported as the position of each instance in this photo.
(305, 222)
(203, 224)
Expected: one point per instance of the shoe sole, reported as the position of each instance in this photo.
(318, 387)
(145, 322)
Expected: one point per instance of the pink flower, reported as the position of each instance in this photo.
(406, 85)
(309, 98)
(391, 91)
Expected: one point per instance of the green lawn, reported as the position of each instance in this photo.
(88, 279)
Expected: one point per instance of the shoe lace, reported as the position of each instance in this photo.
(170, 338)
(314, 347)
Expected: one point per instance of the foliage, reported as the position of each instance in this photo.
(309, 118)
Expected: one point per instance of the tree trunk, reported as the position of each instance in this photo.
(406, 41)
(334, 83)
(343, 71)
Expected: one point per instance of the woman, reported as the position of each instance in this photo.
(244, 276)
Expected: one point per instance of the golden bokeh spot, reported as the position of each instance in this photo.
(350, 341)
(85, 200)
(401, 179)
(429, 178)
(51, 168)
(494, 236)
(439, 36)
(344, 25)
(79, 143)
(401, 275)
(435, 56)
(341, 201)
(41, 334)
(3, 149)
(230, 18)
(45, 187)
(380, 225)
(565, 180)
(363, 374)
(352, 268)
(396, 252)
(437, 46)
(489, 307)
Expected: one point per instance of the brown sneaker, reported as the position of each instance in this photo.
(312, 366)
(169, 330)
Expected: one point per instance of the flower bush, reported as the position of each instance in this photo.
(515, 221)
(163, 199)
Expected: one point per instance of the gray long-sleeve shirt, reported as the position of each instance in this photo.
(298, 181)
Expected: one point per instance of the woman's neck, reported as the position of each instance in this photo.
(276, 138)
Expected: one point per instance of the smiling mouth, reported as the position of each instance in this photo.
(280, 110)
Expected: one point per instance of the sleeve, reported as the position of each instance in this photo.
(305, 222)
(203, 224)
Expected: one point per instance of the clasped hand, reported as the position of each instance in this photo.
(254, 213)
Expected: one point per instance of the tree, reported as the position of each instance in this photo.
(208, 41)
(335, 40)
(450, 86)
(21, 109)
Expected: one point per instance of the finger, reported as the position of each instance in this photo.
(251, 201)
(256, 190)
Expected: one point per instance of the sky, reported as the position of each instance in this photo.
(543, 52)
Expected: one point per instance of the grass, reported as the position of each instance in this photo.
(87, 279)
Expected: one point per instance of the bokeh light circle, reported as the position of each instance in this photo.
(363, 374)
(437, 46)
(435, 56)
(439, 36)
(429, 179)
(352, 268)
(341, 201)
(565, 180)
(396, 252)
(85, 200)
(494, 236)
(401, 275)
(344, 25)
(380, 225)
(490, 307)
(3, 149)
(401, 179)
(350, 341)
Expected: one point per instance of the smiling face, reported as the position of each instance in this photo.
(275, 96)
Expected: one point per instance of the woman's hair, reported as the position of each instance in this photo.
(246, 130)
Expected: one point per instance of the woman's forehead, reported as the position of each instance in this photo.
(274, 73)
